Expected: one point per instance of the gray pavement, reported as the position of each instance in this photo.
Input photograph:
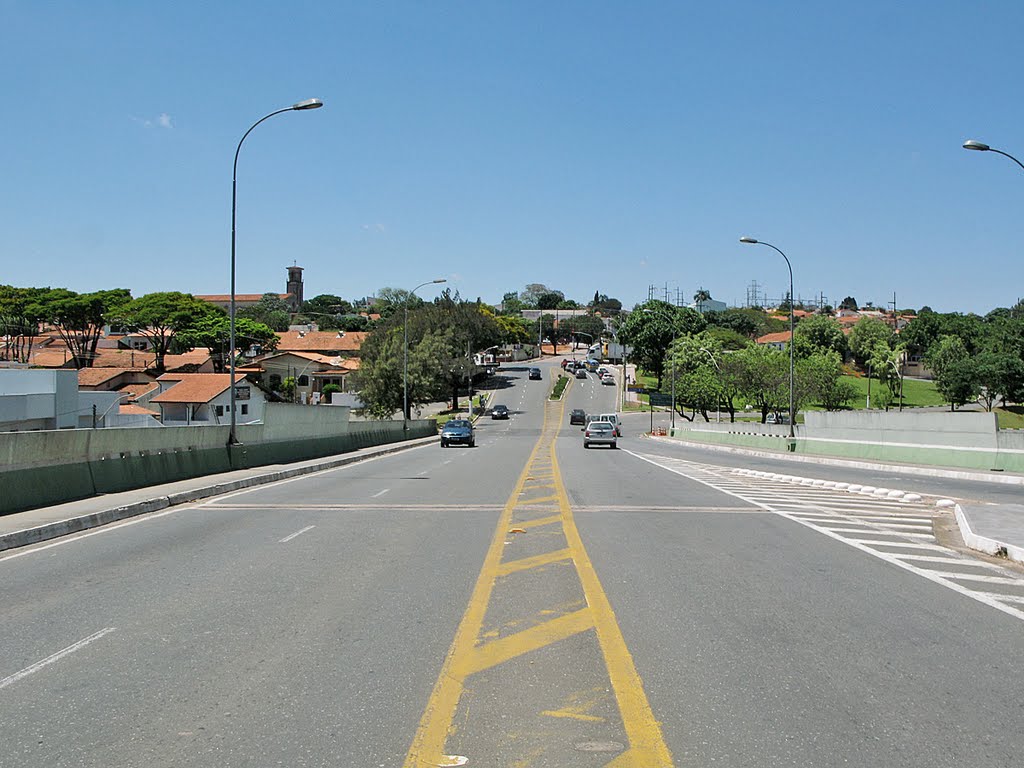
(305, 622)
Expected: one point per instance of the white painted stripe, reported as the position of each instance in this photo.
(381, 493)
(862, 544)
(55, 657)
(1009, 598)
(291, 536)
(979, 577)
(907, 544)
(951, 560)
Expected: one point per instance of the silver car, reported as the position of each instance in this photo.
(599, 433)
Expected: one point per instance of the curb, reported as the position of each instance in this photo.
(71, 525)
(986, 544)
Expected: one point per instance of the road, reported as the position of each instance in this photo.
(525, 603)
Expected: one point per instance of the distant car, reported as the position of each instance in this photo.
(535, 373)
(599, 433)
(581, 373)
(602, 371)
(577, 416)
(611, 418)
(457, 432)
(782, 418)
(608, 379)
(499, 412)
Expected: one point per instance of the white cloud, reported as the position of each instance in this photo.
(162, 121)
(375, 228)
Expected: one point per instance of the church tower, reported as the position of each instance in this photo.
(295, 287)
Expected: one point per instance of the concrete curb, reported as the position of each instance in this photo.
(71, 525)
(986, 544)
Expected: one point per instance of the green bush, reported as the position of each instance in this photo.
(560, 385)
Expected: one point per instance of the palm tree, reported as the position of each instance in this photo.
(700, 297)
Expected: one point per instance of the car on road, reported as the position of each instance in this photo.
(599, 433)
(578, 416)
(608, 379)
(458, 432)
(611, 418)
(499, 411)
(581, 373)
(535, 373)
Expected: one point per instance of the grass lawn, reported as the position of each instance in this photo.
(1011, 417)
(916, 392)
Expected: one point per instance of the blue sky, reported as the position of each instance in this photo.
(583, 145)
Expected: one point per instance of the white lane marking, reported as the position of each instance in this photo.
(980, 577)
(55, 657)
(861, 544)
(71, 538)
(291, 536)
(381, 493)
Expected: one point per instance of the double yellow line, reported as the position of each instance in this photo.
(471, 653)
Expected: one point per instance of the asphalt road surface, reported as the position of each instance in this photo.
(526, 603)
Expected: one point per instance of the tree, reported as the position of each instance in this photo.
(271, 310)
(159, 316)
(532, 293)
(514, 330)
(327, 304)
(999, 376)
(700, 297)
(864, 336)
(817, 334)
(549, 300)
(80, 318)
(605, 305)
(20, 318)
(587, 326)
(821, 377)
(213, 332)
(699, 385)
(748, 322)
(510, 304)
(650, 329)
(440, 336)
(955, 374)
(762, 375)
(848, 303)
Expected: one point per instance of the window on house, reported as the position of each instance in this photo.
(220, 410)
(275, 381)
(303, 380)
(245, 409)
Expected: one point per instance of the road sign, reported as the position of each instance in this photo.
(660, 398)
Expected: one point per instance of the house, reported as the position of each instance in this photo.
(778, 340)
(312, 371)
(205, 398)
(328, 343)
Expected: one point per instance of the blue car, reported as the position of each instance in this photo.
(458, 432)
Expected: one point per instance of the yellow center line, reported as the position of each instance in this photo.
(466, 657)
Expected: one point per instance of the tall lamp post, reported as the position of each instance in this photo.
(792, 405)
(982, 147)
(297, 106)
(405, 352)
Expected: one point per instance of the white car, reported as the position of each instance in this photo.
(608, 379)
(611, 418)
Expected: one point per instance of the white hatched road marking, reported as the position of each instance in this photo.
(862, 521)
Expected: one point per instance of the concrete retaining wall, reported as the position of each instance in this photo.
(51, 467)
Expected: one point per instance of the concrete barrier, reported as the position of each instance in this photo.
(51, 467)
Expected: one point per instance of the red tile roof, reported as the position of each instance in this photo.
(774, 338)
(247, 298)
(91, 377)
(320, 341)
(194, 387)
(134, 409)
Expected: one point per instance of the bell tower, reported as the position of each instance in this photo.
(295, 287)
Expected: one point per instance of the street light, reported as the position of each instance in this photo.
(405, 353)
(298, 106)
(979, 146)
(792, 406)
(718, 409)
